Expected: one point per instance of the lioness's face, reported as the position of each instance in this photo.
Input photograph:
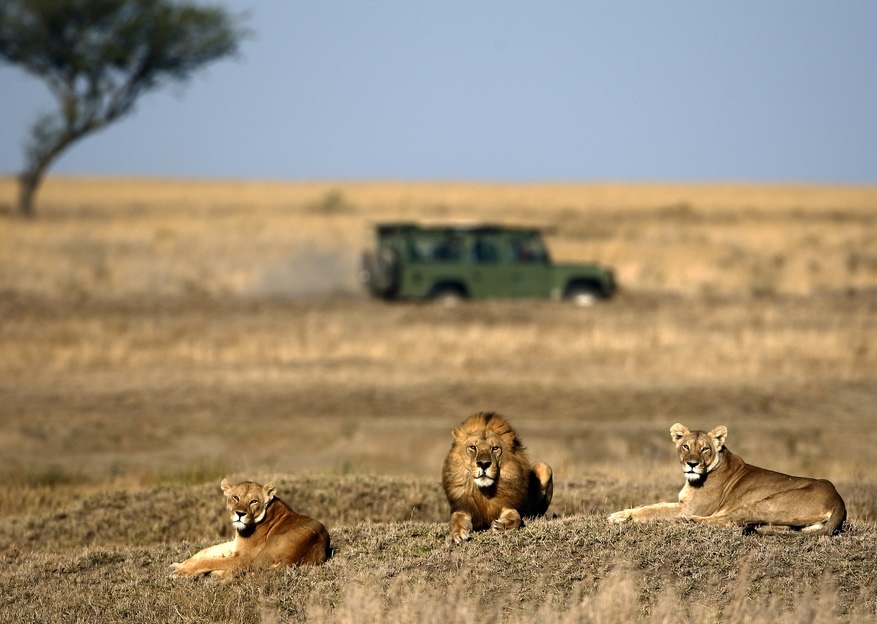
(699, 451)
(247, 502)
(484, 453)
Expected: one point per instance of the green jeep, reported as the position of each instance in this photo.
(451, 263)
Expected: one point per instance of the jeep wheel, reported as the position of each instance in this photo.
(448, 296)
(582, 296)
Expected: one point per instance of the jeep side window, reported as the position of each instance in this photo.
(528, 250)
(448, 249)
(415, 252)
(484, 250)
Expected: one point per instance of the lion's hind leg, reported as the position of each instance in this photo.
(319, 552)
(783, 512)
(310, 545)
(541, 489)
(815, 508)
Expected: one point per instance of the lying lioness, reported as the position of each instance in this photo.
(722, 489)
(268, 534)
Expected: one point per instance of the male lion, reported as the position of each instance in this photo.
(489, 480)
(722, 489)
(269, 534)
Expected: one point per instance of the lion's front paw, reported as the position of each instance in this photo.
(509, 520)
(461, 526)
(183, 569)
(502, 525)
(620, 517)
(460, 536)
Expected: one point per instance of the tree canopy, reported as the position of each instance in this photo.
(98, 57)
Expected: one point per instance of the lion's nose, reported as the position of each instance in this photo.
(484, 465)
(240, 514)
(691, 464)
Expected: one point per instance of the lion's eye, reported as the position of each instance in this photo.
(254, 502)
(236, 499)
(472, 448)
(705, 449)
(685, 447)
(495, 449)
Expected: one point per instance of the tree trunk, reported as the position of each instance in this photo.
(41, 154)
(27, 190)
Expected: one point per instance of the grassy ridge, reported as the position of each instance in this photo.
(571, 568)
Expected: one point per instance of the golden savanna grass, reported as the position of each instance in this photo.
(157, 335)
(170, 237)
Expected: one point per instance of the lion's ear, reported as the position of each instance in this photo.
(719, 434)
(225, 485)
(459, 434)
(269, 490)
(678, 431)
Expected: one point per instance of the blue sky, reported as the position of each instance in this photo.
(508, 91)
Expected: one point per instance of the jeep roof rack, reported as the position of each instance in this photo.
(400, 227)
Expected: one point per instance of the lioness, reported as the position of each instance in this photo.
(488, 479)
(722, 489)
(268, 534)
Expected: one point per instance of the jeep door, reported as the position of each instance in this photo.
(436, 260)
(528, 266)
(487, 272)
(508, 266)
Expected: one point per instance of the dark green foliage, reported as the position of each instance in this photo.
(98, 57)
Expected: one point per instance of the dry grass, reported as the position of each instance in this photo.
(120, 237)
(158, 335)
(150, 389)
(573, 569)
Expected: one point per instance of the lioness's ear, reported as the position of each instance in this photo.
(720, 433)
(269, 490)
(226, 485)
(678, 431)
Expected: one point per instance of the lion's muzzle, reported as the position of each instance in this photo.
(485, 473)
(238, 520)
(692, 471)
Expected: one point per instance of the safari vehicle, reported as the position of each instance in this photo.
(452, 263)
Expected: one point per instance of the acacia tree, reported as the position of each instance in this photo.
(98, 57)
